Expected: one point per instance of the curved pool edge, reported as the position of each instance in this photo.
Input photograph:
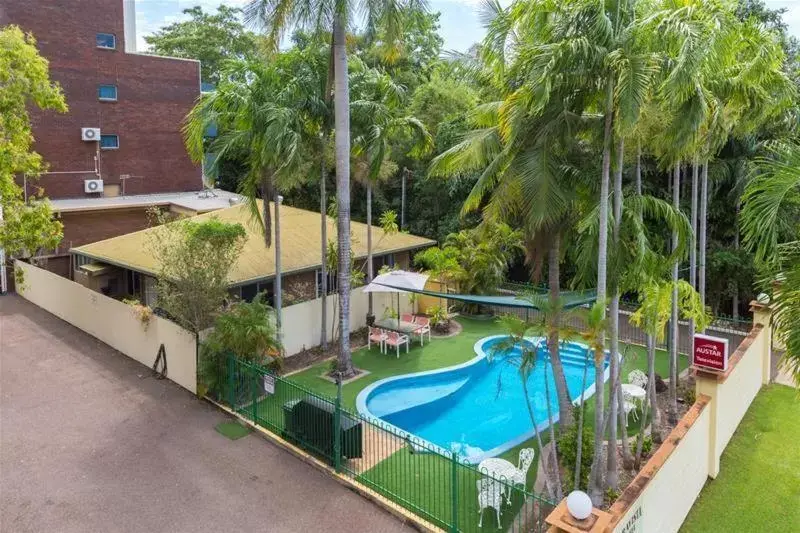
(423, 445)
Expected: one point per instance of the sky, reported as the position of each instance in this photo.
(460, 26)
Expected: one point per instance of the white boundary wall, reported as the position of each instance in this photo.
(301, 322)
(661, 496)
(667, 498)
(113, 322)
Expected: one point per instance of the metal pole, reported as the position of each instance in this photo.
(3, 279)
(454, 491)
(403, 200)
(278, 273)
(337, 425)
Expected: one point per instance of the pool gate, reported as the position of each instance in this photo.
(435, 484)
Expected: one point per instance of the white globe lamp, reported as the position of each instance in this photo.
(579, 505)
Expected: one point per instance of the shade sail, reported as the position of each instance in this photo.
(570, 299)
(398, 281)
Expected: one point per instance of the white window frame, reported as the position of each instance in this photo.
(113, 36)
(109, 147)
(104, 99)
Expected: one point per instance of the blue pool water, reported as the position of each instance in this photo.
(477, 408)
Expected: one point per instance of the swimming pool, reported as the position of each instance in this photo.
(477, 408)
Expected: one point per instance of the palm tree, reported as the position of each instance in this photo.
(275, 17)
(517, 329)
(596, 324)
(380, 124)
(258, 110)
(768, 229)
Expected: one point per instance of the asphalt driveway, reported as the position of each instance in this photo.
(90, 442)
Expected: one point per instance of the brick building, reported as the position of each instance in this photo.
(138, 102)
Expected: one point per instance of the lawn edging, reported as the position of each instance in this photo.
(402, 514)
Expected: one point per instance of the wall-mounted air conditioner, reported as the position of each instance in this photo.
(93, 186)
(90, 134)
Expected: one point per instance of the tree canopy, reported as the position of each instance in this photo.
(27, 226)
(213, 39)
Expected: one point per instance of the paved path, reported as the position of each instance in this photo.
(90, 442)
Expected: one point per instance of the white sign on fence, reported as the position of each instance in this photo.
(269, 384)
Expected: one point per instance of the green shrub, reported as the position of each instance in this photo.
(647, 445)
(568, 452)
(689, 396)
(440, 320)
(612, 495)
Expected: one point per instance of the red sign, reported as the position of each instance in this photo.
(710, 352)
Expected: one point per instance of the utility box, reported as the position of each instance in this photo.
(310, 423)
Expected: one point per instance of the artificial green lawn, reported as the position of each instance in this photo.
(423, 482)
(440, 353)
(758, 487)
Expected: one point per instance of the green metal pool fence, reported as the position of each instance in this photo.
(433, 483)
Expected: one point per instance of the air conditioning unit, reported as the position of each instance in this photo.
(92, 185)
(90, 134)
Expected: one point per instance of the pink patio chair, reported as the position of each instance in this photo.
(407, 317)
(396, 339)
(424, 324)
(376, 336)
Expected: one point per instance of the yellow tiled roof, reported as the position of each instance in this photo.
(300, 244)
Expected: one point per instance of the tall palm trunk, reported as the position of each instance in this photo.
(553, 442)
(612, 474)
(341, 103)
(548, 481)
(735, 306)
(370, 273)
(579, 451)
(701, 267)
(554, 278)
(596, 477)
(693, 250)
(672, 412)
(278, 286)
(323, 206)
(655, 428)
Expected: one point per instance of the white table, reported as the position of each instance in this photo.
(634, 392)
(499, 469)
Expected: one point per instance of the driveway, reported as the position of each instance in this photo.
(90, 442)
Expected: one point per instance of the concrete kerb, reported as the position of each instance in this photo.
(400, 513)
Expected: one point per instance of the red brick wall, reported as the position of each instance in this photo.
(91, 226)
(153, 97)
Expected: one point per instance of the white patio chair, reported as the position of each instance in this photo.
(490, 494)
(424, 327)
(638, 378)
(629, 404)
(376, 336)
(396, 340)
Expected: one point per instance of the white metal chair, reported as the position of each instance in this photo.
(376, 336)
(638, 378)
(519, 476)
(629, 404)
(424, 327)
(490, 495)
(396, 340)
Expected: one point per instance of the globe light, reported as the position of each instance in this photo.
(579, 505)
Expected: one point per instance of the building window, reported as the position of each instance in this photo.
(333, 283)
(248, 292)
(107, 93)
(106, 40)
(81, 260)
(109, 142)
